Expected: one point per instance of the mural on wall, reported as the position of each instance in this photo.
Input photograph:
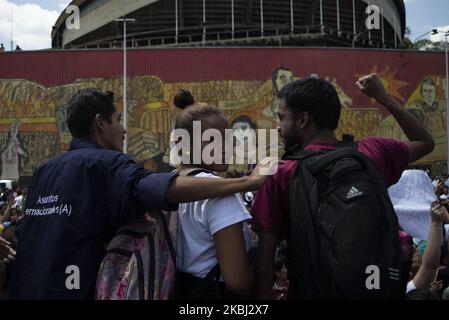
(427, 103)
(12, 153)
(33, 127)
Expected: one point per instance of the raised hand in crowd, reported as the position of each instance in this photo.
(431, 257)
(7, 254)
(439, 189)
(10, 203)
(420, 141)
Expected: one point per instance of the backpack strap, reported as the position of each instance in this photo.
(297, 153)
(322, 162)
(168, 239)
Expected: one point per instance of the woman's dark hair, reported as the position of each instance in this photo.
(315, 96)
(183, 99)
(84, 106)
(192, 111)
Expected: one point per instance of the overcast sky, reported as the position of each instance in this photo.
(33, 19)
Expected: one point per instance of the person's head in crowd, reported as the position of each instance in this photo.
(14, 215)
(3, 206)
(92, 115)
(11, 232)
(417, 256)
(308, 108)
(5, 194)
(445, 190)
(9, 235)
(210, 117)
(421, 294)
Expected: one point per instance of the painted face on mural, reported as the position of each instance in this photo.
(428, 93)
(283, 77)
(241, 126)
(113, 133)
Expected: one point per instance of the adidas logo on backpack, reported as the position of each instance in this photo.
(354, 192)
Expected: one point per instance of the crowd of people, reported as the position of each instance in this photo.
(230, 247)
(11, 217)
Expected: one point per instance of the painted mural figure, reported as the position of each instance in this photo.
(431, 113)
(280, 77)
(61, 117)
(149, 112)
(11, 154)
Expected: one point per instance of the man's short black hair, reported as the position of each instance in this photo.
(315, 96)
(84, 106)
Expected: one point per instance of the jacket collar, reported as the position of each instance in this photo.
(83, 143)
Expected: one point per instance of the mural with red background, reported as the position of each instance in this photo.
(35, 88)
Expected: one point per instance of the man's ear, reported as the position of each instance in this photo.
(99, 123)
(303, 119)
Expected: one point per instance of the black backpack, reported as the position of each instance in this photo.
(344, 240)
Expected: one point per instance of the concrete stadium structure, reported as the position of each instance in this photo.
(173, 23)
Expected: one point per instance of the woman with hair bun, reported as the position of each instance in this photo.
(213, 236)
(183, 99)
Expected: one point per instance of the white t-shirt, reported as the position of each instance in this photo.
(18, 201)
(410, 286)
(198, 222)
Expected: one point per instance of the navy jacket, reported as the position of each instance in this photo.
(75, 204)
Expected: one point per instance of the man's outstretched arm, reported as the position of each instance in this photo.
(421, 143)
(189, 189)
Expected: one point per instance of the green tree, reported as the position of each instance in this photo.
(421, 44)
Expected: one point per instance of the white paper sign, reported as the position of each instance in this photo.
(412, 197)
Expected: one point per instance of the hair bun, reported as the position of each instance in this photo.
(183, 99)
